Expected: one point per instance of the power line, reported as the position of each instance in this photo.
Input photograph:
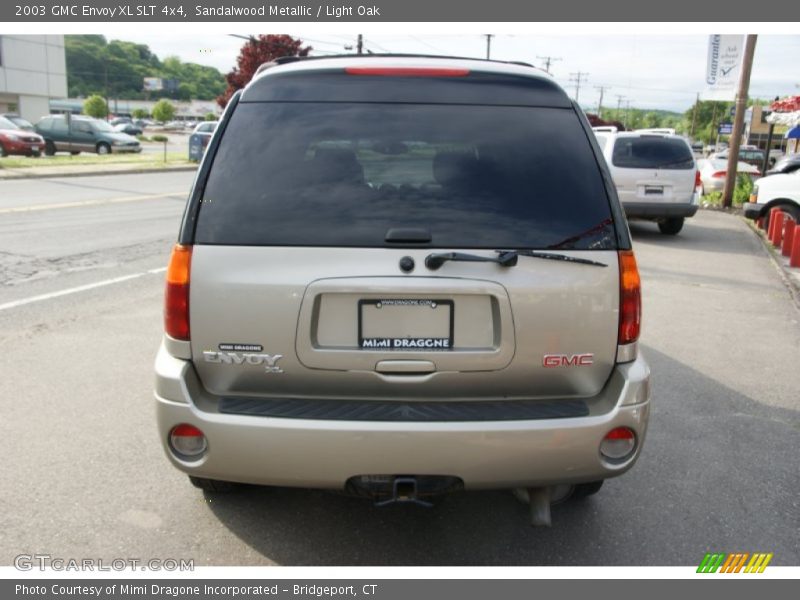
(577, 78)
(547, 60)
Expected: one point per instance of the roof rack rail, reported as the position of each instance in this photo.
(605, 129)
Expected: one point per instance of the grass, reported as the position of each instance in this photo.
(145, 160)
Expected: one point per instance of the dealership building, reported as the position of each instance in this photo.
(33, 70)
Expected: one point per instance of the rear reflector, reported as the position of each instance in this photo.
(630, 299)
(618, 444)
(697, 181)
(406, 72)
(176, 298)
(187, 441)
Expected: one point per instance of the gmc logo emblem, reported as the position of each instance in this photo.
(564, 360)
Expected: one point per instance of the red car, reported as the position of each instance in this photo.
(14, 140)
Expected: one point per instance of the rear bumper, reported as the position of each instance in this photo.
(752, 210)
(317, 453)
(653, 210)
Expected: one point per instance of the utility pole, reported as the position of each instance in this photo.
(627, 108)
(694, 114)
(602, 89)
(577, 78)
(489, 37)
(547, 60)
(360, 44)
(738, 120)
(619, 104)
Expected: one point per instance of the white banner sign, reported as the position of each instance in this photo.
(725, 54)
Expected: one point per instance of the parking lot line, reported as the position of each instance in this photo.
(80, 288)
(16, 209)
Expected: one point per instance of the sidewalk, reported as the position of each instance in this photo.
(85, 170)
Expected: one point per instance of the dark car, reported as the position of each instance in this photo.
(128, 128)
(83, 134)
(786, 164)
(15, 140)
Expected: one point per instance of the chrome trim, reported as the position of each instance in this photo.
(627, 352)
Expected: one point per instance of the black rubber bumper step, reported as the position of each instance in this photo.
(394, 411)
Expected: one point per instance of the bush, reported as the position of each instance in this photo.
(743, 189)
(140, 113)
(159, 138)
(95, 106)
(210, 117)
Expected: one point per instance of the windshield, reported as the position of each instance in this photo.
(652, 152)
(342, 174)
(7, 124)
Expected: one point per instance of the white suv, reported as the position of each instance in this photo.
(655, 174)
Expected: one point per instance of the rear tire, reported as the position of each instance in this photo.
(212, 485)
(49, 148)
(671, 226)
(75, 152)
(584, 490)
(103, 148)
(787, 209)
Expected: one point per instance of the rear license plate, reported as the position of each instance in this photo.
(654, 189)
(35, 148)
(405, 324)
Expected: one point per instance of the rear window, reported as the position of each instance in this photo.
(344, 174)
(652, 152)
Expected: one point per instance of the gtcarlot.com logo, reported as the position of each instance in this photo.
(29, 562)
(737, 562)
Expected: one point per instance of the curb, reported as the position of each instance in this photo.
(789, 279)
(22, 174)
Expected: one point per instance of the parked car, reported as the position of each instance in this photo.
(23, 124)
(78, 134)
(781, 190)
(120, 121)
(751, 156)
(14, 140)
(714, 170)
(785, 164)
(655, 175)
(399, 277)
(128, 128)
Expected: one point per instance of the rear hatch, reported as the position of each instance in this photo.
(653, 169)
(309, 275)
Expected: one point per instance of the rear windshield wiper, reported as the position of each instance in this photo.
(505, 258)
(552, 256)
(434, 261)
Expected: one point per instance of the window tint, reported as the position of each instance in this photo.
(81, 127)
(7, 124)
(45, 124)
(652, 152)
(338, 174)
(60, 126)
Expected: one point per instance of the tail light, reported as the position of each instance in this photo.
(176, 298)
(697, 181)
(630, 299)
(619, 444)
(719, 175)
(187, 441)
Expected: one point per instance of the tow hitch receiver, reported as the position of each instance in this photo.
(404, 489)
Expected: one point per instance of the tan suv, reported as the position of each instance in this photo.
(400, 277)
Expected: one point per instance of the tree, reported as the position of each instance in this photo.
(253, 54)
(210, 117)
(163, 110)
(95, 106)
(140, 113)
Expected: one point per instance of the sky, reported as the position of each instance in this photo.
(651, 71)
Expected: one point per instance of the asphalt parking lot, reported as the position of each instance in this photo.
(81, 281)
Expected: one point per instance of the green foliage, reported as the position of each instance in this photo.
(743, 189)
(210, 117)
(140, 113)
(117, 69)
(635, 118)
(95, 106)
(163, 110)
(159, 138)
